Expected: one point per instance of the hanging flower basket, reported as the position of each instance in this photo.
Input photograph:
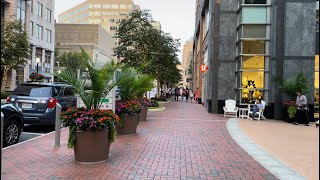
(36, 77)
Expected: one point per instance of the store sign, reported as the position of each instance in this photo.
(203, 68)
(107, 103)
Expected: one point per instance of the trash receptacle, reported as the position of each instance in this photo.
(209, 105)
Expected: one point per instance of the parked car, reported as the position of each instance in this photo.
(38, 101)
(13, 124)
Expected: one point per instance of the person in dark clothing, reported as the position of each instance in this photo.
(302, 109)
(187, 94)
(176, 94)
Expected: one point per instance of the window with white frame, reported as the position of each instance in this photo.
(39, 31)
(31, 28)
(39, 9)
(21, 11)
(48, 35)
(48, 15)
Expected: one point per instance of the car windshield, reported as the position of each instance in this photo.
(32, 91)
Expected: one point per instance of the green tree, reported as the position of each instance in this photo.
(15, 47)
(151, 51)
(70, 60)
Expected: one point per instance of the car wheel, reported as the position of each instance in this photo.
(11, 132)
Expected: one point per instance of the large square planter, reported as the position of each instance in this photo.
(91, 146)
(130, 124)
(143, 114)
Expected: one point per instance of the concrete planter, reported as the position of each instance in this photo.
(130, 124)
(143, 114)
(91, 146)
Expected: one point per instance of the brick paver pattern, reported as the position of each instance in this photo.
(182, 142)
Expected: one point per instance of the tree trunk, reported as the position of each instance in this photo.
(4, 71)
(158, 88)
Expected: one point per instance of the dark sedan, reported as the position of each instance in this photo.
(13, 124)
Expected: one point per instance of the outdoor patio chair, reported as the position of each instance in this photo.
(259, 115)
(230, 109)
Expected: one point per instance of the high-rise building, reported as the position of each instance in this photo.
(37, 17)
(107, 13)
(247, 43)
(187, 50)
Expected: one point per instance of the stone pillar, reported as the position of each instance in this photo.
(33, 58)
(52, 62)
(43, 59)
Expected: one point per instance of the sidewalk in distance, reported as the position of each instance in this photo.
(182, 142)
(296, 146)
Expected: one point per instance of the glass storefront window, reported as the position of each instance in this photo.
(255, 1)
(254, 15)
(254, 31)
(253, 47)
(248, 96)
(316, 88)
(253, 80)
(253, 63)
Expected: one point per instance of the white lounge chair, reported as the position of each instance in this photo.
(259, 114)
(230, 109)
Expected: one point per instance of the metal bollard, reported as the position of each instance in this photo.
(58, 125)
(2, 123)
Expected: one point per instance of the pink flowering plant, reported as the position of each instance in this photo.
(36, 77)
(89, 119)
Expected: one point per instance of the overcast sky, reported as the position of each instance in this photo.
(176, 16)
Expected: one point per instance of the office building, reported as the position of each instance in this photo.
(96, 41)
(187, 52)
(247, 43)
(37, 17)
(107, 13)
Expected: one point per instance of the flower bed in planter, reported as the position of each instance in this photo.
(90, 133)
(129, 114)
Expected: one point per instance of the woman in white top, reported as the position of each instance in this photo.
(181, 94)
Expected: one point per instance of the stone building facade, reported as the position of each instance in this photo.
(246, 43)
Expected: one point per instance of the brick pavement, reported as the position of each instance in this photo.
(182, 142)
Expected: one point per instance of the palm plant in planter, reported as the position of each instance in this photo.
(290, 87)
(91, 130)
(133, 86)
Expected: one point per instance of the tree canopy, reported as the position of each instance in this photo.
(15, 47)
(70, 60)
(148, 49)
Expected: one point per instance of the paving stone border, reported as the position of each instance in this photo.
(157, 109)
(273, 165)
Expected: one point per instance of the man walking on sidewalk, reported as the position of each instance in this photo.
(302, 109)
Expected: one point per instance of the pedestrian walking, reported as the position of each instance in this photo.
(187, 94)
(191, 95)
(196, 95)
(302, 109)
(176, 93)
(181, 94)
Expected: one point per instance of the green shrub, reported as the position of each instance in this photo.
(155, 104)
(4, 94)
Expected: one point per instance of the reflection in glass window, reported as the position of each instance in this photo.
(316, 88)
(254, 31)
(254, 15)
(253, 47)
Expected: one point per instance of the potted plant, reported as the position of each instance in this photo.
(91, 130)
(290, 87)
(146, 103)
(36, 77)
(133, 87)
(291, 109)
(129, 115)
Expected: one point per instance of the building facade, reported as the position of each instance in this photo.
(107, 13)
(96, 41)
(37, 17)
(247, 43)
(187, 52)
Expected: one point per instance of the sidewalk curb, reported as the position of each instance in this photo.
(273, 165)
(41, 136)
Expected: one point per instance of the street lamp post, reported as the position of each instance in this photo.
(38, 61)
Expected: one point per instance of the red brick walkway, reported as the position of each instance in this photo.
(182, 142)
